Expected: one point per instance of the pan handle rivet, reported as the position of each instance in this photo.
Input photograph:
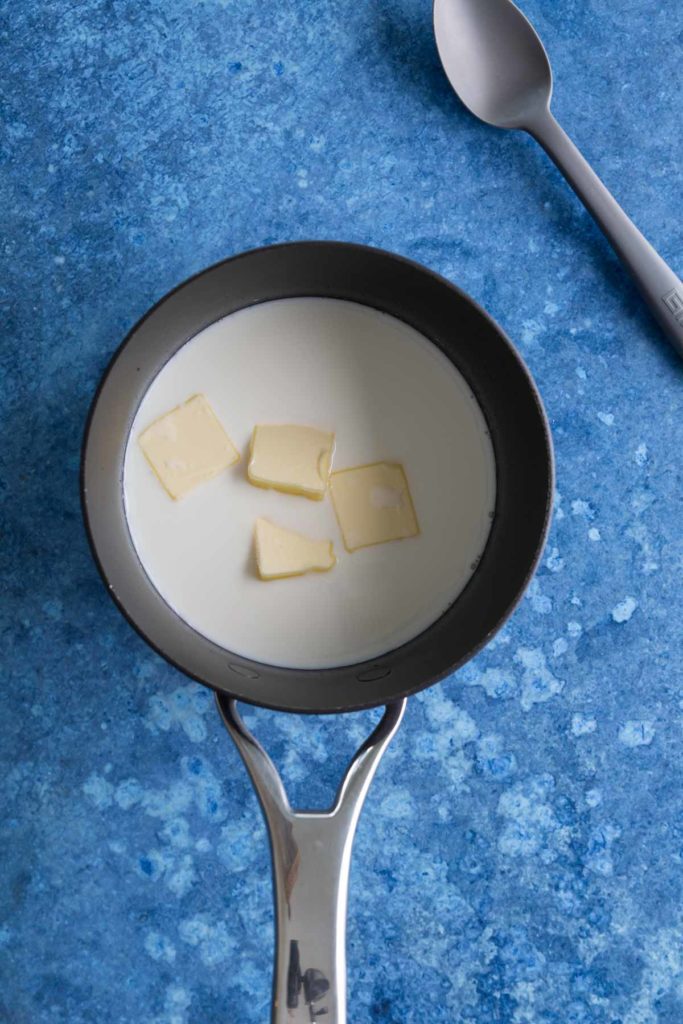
(243, 670)
(371, 674)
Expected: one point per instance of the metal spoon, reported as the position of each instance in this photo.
(498, 67)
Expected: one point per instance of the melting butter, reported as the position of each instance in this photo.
(187, 446)
(291, 458)
(281, 552)
(373, 504)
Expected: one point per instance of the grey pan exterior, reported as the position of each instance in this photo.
(471, 340)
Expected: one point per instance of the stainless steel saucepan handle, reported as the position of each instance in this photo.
(659, 285)
(311, 854)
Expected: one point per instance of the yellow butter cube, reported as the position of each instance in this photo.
(187, 446)
(291, 458)
(373, 504)
(281, 552)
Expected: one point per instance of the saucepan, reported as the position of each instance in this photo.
(311, 850)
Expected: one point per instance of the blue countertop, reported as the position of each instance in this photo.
(520, 857)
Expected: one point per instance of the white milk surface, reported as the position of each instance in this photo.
(389, 395)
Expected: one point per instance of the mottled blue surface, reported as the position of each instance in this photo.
(520, 858)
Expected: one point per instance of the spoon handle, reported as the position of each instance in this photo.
(660, 287)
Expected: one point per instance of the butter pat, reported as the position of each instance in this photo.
(187, 446)
(281, 552)
(293, 459)
(373, 504)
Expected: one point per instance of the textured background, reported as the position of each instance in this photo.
(520, 858)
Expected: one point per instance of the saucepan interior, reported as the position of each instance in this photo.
(475, 345)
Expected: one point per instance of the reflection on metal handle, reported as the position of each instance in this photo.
(311, 858)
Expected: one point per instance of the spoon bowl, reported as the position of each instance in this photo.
(494, 60)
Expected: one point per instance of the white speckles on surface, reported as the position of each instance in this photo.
(398, 804)
(501, 639)
(128, 793)
(558, 511)
(493, 761)
(237, 848)
(593, 797)
(583, 508)
(98, 791)
(554, 562)
(531, 329)
(642, 500)
(539, 601)
(171, 862)
(529, 824)
(637, 733)
(445, 713)
(560, 647)
(215, 943)
(623, 611)
(607, 418)
(574, 628)
(154, 864)
(451, 729)
(640, 455)
(594, 534)
(166, 803)
(650, 556)
(176, 832)
(185, 706)
(599, 853)
(660, 984)
(182, 876)
(177, 1002)
(207, 791)
(497, 683)
(582, 725)
(159, 947)
(538, 682)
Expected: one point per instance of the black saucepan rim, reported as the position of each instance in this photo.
(519, 431)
